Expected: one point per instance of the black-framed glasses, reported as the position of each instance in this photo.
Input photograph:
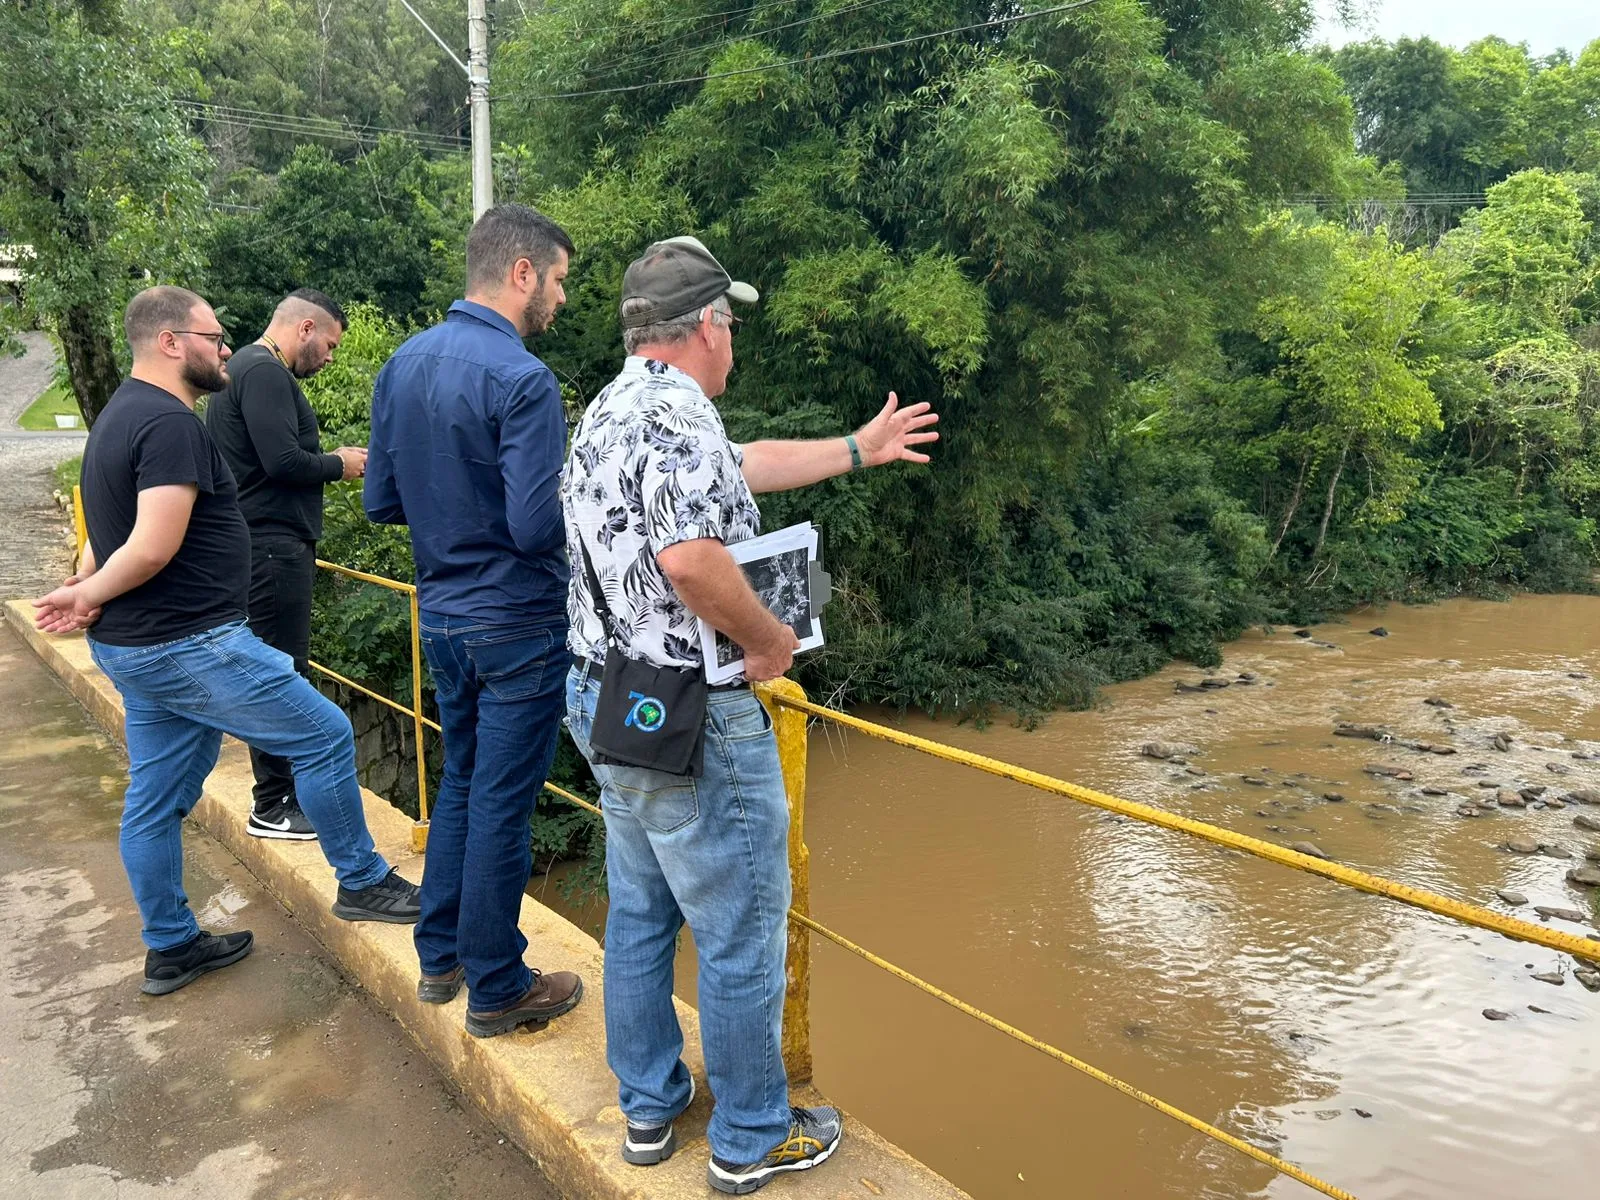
(218, 338)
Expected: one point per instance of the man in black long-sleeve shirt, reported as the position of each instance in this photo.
(269, 436)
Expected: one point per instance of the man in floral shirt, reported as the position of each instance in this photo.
(654, 493)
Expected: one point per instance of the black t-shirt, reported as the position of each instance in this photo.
(266, 430)
(146, 438)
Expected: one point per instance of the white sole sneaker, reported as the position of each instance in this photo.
(648, 1154)
(280, 829)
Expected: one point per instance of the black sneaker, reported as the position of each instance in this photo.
(647, 1145)
(281, 819)
(168, 970)
(813, 1135)
(391, 899)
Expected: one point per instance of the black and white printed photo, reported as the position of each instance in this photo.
(783, 581)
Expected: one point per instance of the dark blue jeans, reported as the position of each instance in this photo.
(501, 693)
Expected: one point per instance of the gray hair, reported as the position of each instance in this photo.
(506, 233)
(671, 332)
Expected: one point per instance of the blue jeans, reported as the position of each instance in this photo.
(179, 698)
(714, 852)
(499, 694)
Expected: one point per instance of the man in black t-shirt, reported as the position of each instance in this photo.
(268, 434)
(162, 589)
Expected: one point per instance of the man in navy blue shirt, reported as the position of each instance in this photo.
(468, 440)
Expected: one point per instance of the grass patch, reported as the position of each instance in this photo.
(41, 414)
(67, 473)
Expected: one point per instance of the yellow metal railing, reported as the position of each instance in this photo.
(419, 830)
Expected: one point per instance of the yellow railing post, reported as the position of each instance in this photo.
(419, 831)
(80, 529)
(790, 726)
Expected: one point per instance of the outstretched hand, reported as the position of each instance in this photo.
(889, 436)
(64, 610)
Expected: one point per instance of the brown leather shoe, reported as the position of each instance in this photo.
(441, 989)
(549, 997)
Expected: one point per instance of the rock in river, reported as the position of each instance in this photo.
(1589, 979)
(1560, 914)
(1582, 796)
(1585, 821)
(1434, 791)
(1253, 781)
(1380, 631)
(1388, 771)
(1584, 877)
(1509, 799)
(1310, 848)
(1555, 977)
(1494, 1014)
(1522, 846)
(1515, 899)
(1350, 729)
(1438, 702)
(1166, 750)
(1501, 742)
(1333, 797)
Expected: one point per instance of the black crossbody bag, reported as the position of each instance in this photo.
(646, 716)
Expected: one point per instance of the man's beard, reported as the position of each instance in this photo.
(305, 364)
(204, 377)
(536, 314)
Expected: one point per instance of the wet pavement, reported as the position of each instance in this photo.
(35, 537)
(276, 1079)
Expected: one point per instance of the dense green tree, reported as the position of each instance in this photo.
(97, 174)
(386, 227)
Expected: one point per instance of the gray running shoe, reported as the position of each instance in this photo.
(392, 899)
(168, 970)
(647, 1145)
(814, 1135)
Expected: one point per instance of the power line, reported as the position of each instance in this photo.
(816, 58)
(653, 55)
(324, 127)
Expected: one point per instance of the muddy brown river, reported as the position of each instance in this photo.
(1338, 1030)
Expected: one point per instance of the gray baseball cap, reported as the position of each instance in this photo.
(677, 276)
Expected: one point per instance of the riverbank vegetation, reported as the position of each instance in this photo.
(1224, 328)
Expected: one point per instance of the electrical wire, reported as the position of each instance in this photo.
(814, 58)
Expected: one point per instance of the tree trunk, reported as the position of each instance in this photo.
(91, 360)
(1327, 509)
(1294, 504)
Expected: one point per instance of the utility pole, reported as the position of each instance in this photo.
(476, 69)
(478, 100)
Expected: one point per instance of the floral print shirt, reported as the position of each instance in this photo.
(650, 466)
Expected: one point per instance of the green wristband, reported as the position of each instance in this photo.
(855, 451)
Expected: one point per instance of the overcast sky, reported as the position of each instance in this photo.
(1544, 24)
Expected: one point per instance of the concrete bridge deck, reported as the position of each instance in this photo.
(275, 1078)
(549, 1092)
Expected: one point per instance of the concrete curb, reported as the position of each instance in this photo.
(550, 1092)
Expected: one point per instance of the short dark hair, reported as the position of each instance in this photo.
(155, 309)
(506, 233)
(323, 301)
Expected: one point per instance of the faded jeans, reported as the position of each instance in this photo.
(712, 852)
(179, 698)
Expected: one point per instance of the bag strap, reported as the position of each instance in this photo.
(597, 595)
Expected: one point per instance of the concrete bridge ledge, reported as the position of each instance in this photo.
(550, 1092)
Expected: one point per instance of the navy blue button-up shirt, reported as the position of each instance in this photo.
(468, 438)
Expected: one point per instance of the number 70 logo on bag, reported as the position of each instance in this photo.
(647, 714)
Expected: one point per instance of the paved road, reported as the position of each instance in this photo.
(275, 1079)
(35, 535)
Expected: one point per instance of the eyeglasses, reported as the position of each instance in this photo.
(731, 321)
(216, 339)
